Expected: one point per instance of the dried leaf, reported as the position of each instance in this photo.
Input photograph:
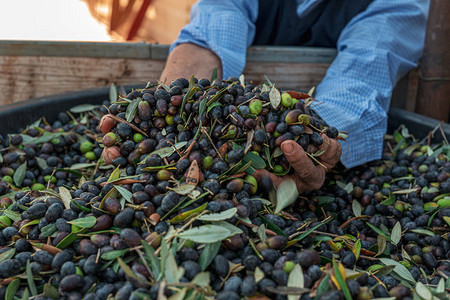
(262, 233)
(259, 275)
(205, 234)
(356, 208)
(19, 174)
(381, 243)
(248, 145)
(287, 193)
(193, 174)
(357, 249)
(396, 234)
(274, 96)
(296, 279)
(224, 215)
(66, 197)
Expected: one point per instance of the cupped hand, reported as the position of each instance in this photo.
(307, 176)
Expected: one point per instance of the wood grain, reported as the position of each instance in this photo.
(25, 77)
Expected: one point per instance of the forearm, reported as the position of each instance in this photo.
(189, 59)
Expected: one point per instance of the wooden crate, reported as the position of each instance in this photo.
(31, 69)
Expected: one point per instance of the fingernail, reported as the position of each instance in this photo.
(287, 148)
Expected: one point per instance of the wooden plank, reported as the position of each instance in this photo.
(25, 77)
(155, 51)
(434, 75)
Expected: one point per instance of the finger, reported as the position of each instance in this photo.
(333, 151)
(276, 180)
(300, 162)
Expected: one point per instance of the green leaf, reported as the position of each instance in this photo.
(86, 222)
(340, 279)
(230, 227)
(257, 161)
(183, 189)
(201, 279)
(324, 286)
(357, 249)
(112, 93)
(171, 273)
(152, 259)
(205, 234)
(126, 194)
(26, 294)
(187, 214)
(213, 75)
(296, 280)
(81, 166)
(356, 207)
(113, 254)
(213, 105)
(272, 226)
(114, 175)
(48, 230)
(390, 200)
(131, 111)
(42, 163)
(401, 270)
(423, 291)
(287, 193)
(224, 215)
(13, 215)
(19, 174)
(12, 288)
(377, 230)
(70, 238)
(423, 231)
(261, 230)
(168, 151)
(308, 232)
(202, 107)
(30, 280)
(396, 234)
(218, 95)
(128, 271)
(208, 255)
(50, 292)
(275, 97)
(325, 200)
(83, 108)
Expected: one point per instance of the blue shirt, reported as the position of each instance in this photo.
(375, 49)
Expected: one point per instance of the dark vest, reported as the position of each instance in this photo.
(279, 24)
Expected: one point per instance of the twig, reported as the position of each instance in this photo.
(205, 132)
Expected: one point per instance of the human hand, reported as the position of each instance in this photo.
(307, 176)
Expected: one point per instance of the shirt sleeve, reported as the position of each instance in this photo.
(375, 49)
(225, 27)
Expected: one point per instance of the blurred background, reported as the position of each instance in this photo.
(54, 46)
(153, 21)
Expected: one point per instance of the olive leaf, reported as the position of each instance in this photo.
(42, 163)
(152, 259)
(7, 254)
(48, 230)
(129, 271)
(224, 215)
(50, 291)
(287, 193)
(12, 289)
(357, 249)
(112, 93)
(272, 226)
(262, 233)
(381, 243)
(13, 215)
(296, 279)
(65, 196)
(423, 231)
(399, 269)
(257, 161)
(213, 75)
(86, 222)
(83, 108)
(208, 255)
(70, 238)
(390, 200)
(396, 234)
(201, 279)
(356, 208)
(205, 234)
(19, 174)
(324, 286)
(183, 189)
(275, 97)
(132, 108)
(30, 279)
(126, 194)
(379, 231)
(423, 291)
(341, 281)
(233, 230)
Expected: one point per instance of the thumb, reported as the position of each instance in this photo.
(297, 158)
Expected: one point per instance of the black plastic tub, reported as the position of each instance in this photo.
(16, 116)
